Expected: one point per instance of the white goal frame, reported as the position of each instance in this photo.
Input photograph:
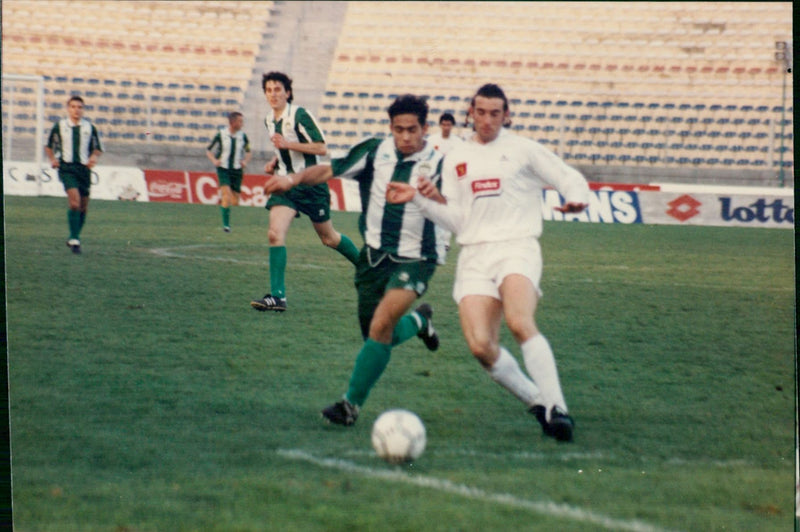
(39, 140)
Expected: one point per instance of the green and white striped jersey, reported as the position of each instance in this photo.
(296, 125)
(74, 144)
(229, 148)
(399, 230)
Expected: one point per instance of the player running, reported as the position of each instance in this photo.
(401, 248)
(493, 189)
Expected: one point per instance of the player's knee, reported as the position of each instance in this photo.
(275, 237)
(521, 328)
(329, 240)
(483, 350)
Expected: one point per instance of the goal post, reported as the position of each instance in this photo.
(23, 118)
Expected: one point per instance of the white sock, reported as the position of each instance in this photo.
(541, 366)
(507, 373)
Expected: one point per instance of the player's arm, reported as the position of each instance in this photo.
(442, 214)
(93, 158)
(568, 181)
(214, 149)
(52, 156)
(248, 154)
(53, 141)
(307, 127)
(212, 158)
(428, 189)
(313, 175)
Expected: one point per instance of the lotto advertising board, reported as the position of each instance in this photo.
(719, 206)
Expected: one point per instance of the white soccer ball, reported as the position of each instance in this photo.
(398, 436)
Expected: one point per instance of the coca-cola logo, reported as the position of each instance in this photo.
(165, 189)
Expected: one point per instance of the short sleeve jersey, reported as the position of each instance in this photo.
(296, 125)
(74, 144)
(229, 148)
(397, 229)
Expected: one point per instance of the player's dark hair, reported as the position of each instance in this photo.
(408, 104)
(75, 98)
(233, 116)
(447, 117)
(280, 77)
(490, 90)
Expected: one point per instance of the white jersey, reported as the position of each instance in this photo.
(444, 145)
(494, 190)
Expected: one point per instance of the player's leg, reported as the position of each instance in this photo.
(383, 304)
(74, 216)
(376, 351)
(480, 317)
(520, 298)
(335, 240)
(225, 206)
(84, 208)
(280, 218)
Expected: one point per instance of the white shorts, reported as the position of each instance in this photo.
(482, 267)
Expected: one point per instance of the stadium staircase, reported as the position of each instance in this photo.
(300, 41)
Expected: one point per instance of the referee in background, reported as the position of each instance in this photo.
(73, 147)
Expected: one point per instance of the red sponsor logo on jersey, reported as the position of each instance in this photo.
(486, 186)
(461, 169)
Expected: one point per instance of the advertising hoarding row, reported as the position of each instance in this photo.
(672, 204)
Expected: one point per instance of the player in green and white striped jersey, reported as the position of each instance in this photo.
(299, 141)
(73, 147)
(401, 247)
(229, 151)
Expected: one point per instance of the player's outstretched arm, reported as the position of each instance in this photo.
(313, 175)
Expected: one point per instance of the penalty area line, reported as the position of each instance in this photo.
(541, 507)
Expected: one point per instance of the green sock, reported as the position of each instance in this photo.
(277, 270)
(83, 220)
(370, 363)
(348, 249)
(407, 327)
(226, 216)
(74, 220)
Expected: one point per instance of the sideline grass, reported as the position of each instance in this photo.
(147, 395)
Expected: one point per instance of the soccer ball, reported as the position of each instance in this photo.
(398, 436)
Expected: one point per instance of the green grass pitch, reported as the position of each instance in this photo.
(146, 394)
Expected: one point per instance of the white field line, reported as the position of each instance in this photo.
(567, 457)
(176, 253)
(549, 508)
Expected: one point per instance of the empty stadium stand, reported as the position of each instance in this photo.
(642, 84)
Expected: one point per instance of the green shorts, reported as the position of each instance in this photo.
(75, 175)
(230, 178)
(377, 272)
(314, 201)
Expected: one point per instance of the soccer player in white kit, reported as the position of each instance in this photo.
(491, 199)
